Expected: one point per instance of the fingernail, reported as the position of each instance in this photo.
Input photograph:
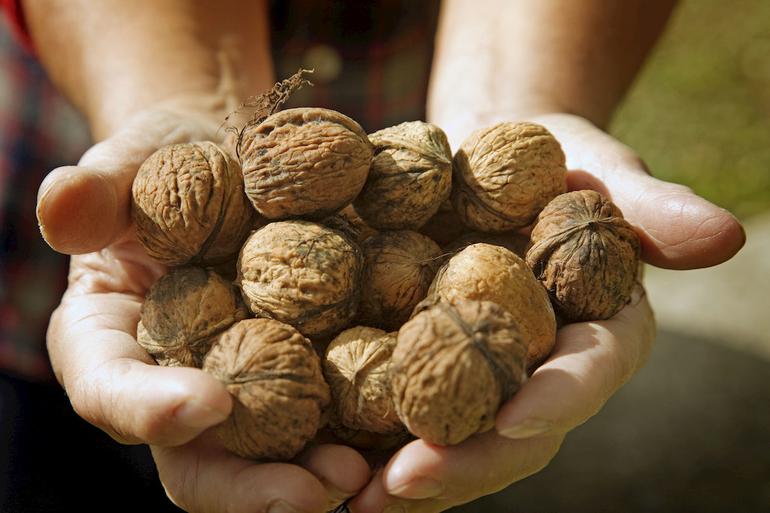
(527, 428)
(416, 488)
(280, 506)
(196, 415)
(394, 508)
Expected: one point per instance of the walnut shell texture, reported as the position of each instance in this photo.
(183, 311)
(308, 162)
(512, 241)
(492, 273)
(398, 269)
(586, 255)
(411, 175)
(275, 378)
(301, 273)
(505, 174)
(356, 368)
(453, 367)
(189, 205)
(349, 222)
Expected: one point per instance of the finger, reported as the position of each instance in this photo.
(678, 229)
(113, 383)
(84, 208)
(341, 469)
(590, 362)
(202, 477)
(423, 477)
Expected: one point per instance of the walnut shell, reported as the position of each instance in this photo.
(189, 206)
(493, 273)
(356, 368)
(453, 367)
(585, 254)
(307, 162)
(411, 175)
(303, 274)
(512, 241)
(182, 313)
(445, 226)
(349, 222)
(505, 174)
(398, 269)
(275, 378)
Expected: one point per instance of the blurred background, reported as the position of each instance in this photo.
(691, 432)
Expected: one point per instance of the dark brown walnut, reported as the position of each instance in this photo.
(301, 273)
(275, 378)
(398, 269)
(356, 367)
(362, 439)
(505, 174)
(411, 175)
(189, 206)
(445, 226)
(182, 314)
(492, 273)
(512, 241)
(307, 162)
(453, 367)
(586, 255)
(349, 222)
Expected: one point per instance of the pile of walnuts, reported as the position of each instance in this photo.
(370, 288)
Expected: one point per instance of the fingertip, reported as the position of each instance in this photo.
(79, 211)
(338, 466)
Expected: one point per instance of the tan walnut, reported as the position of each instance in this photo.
(492, 273)
(182, 313)
(301, 273)
(307, 162)
(275, 378)
(453, 367)
(586, 255)
(189, 206)
(411, 175)
(505, 174)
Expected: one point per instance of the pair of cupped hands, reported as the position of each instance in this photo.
(113, 383)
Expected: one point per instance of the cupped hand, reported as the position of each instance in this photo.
(590, 361)
(112, 382)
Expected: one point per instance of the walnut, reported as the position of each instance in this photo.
(189, 206)
(493, 273)
(356, 368)
(453, 367)
(411, 175)
(349, 222)
(505, 174)
(307, 162)
(275, 378)
(445, 226)
(183, 311)
(398, 269)
(303, 274)
(512, 241)
(585, 254)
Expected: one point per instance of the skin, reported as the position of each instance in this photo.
(564, 64)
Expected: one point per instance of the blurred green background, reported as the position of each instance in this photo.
(700, 111)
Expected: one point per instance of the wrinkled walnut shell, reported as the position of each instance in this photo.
(398, 269)
(356, 367)
(505, 174)
(493, 273)
(586, 255)
(411, 175)
(301, 273)
(453, 367)
(308, 162)
(182, 313)
(189, 205)
(278, 390)
(512, 241)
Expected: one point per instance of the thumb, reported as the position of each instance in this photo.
(84, 208)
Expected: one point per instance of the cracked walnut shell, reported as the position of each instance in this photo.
(189, 206)
(301, 273)
(505, 174)
(586, 255)
(183, 311)
(410, 176)
(453, 367)
(275, 379)
(308, 162)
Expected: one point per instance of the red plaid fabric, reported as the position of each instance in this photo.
(372, 61)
